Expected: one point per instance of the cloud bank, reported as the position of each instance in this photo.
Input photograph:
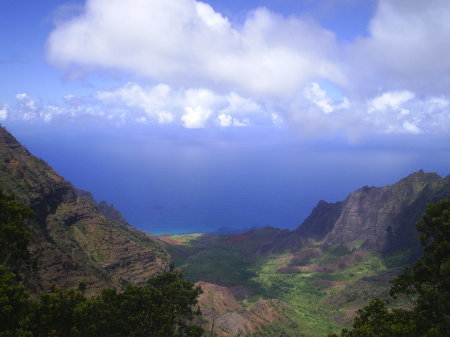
(406, 49)
(313, 112)
(193, 67)
(185, 42)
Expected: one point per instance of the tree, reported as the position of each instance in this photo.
(14, 239)
(164, 307)
(14, 304)
(426, 285)
(14, 236)
(374, 320)
(61, 313)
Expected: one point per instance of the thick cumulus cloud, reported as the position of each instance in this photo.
(407, 49)
(187, 42)
(269, 69)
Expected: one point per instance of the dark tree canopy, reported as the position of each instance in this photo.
(14, 236)
(164, 307)
(14, 304)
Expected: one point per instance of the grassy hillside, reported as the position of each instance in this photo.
(322, 287)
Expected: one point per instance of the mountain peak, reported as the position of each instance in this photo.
(378, 218)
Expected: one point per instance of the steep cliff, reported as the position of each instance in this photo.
(75, 239)
(376, 218)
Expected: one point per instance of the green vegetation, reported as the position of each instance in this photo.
(426, 286)
(186, 238)
(204, 258)
(14, 237)
(399, 258)
(322, 290)
(14, 304)
(165, 306)
(162, 307)
(297, 289)
(140, 238)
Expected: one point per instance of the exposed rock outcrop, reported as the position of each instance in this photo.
(228, 317)
(376, 218)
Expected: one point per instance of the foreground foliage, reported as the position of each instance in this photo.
(166, 306)
(14, 237)
(426, 285)
(163, 307)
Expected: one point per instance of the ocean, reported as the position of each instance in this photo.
(173, 180)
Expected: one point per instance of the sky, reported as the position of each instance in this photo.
(192, 116)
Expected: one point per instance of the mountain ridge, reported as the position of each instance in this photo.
(377, 218)
(378, 214)
(74, 239)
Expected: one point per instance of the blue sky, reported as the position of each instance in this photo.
(315, 97)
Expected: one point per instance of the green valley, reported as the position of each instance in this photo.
(322, 288)
(266, 282)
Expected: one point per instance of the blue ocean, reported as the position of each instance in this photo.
(182, 181)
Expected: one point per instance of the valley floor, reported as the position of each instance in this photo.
(310, 292)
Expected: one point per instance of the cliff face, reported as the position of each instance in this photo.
(377, 218)
(73, 238)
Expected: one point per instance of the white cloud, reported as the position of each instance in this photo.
(154, 101)
(268, 69)
(241, 105)
(318, 96)
(69, 97)
(313, 112)
(225, 120)
(404, 50)
(411, 128)
(390, 100)
(198, 107)
(26, 101)
(438, 103)
(3, 113)
(186, 42)
(276, 119)
(30, 110)
(193, 108)
(404, 112)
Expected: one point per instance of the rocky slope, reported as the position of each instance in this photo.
(75, 239)
(228, 313)
(380, 219)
